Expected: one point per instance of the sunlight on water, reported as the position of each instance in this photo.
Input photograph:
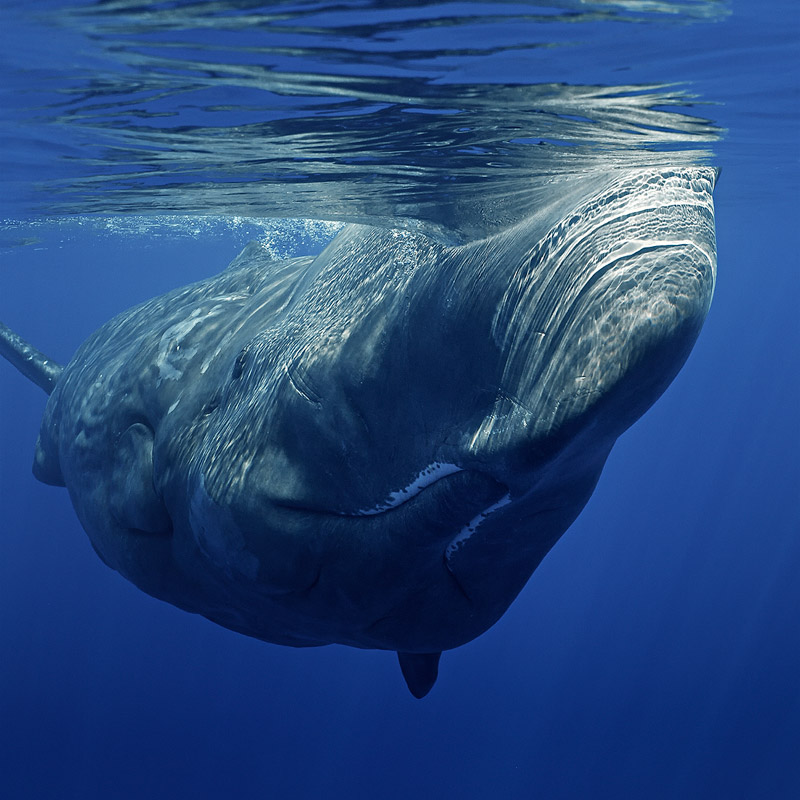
(385, 113)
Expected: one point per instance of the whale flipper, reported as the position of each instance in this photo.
(420, 671)
(32, 363)
(132, 496)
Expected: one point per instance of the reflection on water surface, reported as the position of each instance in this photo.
(430, 113)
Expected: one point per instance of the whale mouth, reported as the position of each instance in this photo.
(438, 488)
(424, 479)
(469, 530)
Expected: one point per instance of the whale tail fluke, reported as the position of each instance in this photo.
(34, 365)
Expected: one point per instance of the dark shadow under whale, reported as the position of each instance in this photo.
(378, 445)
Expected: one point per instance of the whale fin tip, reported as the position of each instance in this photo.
(32, 363)
(420, 671)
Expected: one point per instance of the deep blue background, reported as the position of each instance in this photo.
(654, 654)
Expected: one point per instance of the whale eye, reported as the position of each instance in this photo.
(238, 365)
(211, 406)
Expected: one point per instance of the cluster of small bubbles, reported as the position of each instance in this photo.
(281, 238)
(284, 238)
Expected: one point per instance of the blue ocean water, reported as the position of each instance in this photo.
(655, 651)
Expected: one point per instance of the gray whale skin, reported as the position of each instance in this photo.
(378, 445)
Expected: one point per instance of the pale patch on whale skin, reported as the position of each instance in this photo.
(378, 445)
(469, 530)
(432, 473)
(174, 354)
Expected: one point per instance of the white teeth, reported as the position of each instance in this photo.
(425, 478)
(473, 525)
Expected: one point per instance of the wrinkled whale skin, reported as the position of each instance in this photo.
(378, 445)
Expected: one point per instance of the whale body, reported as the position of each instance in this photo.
(378, 445)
